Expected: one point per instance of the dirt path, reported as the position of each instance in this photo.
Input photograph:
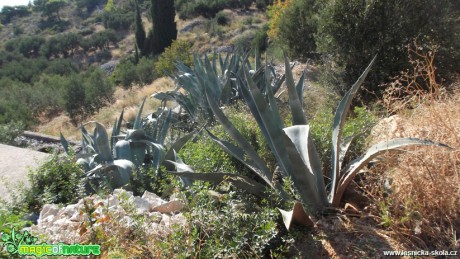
(14, 164)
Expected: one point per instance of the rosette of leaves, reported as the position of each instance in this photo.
(114, 161)
(139, 147)
(293, 147)
(97, 160)
(215, 77)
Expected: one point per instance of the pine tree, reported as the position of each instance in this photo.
(140, 32)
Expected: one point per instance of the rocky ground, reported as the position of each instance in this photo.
(76, 222)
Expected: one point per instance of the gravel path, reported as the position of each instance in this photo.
(14, 164)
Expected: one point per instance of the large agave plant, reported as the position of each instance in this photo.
(292, 146)
(215, 77)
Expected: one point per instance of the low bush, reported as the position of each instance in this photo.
(128, 73)
(260, 41)
(9, 132)
(55, 181)
(225, 225)
(222, 19)
(179, 51)
(207, 8)
(359, 126)
(118, 19)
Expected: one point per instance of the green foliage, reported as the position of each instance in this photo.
(55, 181)
(222, 19)
(358, 125)
(100, 40)
(89, 5)
(292, 146)
(262, 4)
(127, 73)
(206, 156)
(85, 93)
(23, 70)
(50, 8)
(139, 30)
(145, 71)
(9, 12)
(260, 41)
(164, 29)
(225, 225)
(118, 18)
(207, 8)
(179, 51)
(353, 31)
(9, 131)
(64, 44)
(297, 28)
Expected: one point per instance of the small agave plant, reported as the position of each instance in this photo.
(97, 160)
(292, 147)
(113, 161)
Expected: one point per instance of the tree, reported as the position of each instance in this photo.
(164, 29)
(50, 8)
(297, 27)
(9, 12)
(353, 31)
(139, 31)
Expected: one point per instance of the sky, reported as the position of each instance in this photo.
(13, 2)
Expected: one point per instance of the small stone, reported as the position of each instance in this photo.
(169, 207)
(49, 209)
(154, 216)
(77, 217)
(153, 199)
(141, 204)
(165, 220)
(68, 211)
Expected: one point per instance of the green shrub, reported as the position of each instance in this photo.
(9, 131)
(222, 19)
(83, 94)
(297, 27)
(145, 71)
(204, 155)
(260, 40)
(212, 28)
(118, 19)
(230, 225)
(179, 51)
(352, 32)
(55, 181)
(9, 12)
(127, 73)
(359, 126)
(207, 8)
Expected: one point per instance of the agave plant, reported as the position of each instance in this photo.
(215, 78)
(97, 160)
(114, 161)
(293, 147)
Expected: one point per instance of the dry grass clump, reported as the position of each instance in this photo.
(419, 197)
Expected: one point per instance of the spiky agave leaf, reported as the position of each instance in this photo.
(306, 172)
(350, 171)
(296, 216)
(295, 100)
(337, 130)
(240, 181)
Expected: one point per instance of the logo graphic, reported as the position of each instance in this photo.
(25, 244)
